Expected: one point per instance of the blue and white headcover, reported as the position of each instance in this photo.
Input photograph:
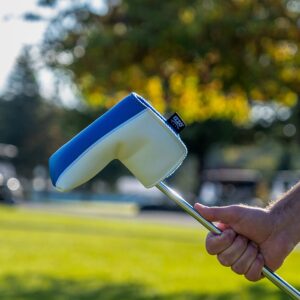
(133, 132)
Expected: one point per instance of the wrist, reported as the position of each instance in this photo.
(285, 215)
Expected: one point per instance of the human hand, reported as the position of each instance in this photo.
(251, 238)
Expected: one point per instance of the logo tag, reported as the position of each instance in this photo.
(176, 123)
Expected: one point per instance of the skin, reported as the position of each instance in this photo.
(253, 237)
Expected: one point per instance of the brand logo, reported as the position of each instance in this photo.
(176, 123)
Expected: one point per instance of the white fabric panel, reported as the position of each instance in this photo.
(145, 145)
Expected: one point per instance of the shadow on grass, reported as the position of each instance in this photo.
(46, 288)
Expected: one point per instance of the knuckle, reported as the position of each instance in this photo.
(252, 277)
(252, 251)
(223, 259)
(210, 249)
(228, 236)
(241, 241)
(211, 245)
(237, 269)
(254, 274)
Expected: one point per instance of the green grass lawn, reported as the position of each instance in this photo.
(48, 256)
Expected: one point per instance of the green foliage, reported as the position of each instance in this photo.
(49, 256)
(203, 58)
(206, 59)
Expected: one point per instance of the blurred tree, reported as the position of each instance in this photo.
(205, 58)
(26, 121)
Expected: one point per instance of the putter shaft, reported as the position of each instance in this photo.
(273, 277)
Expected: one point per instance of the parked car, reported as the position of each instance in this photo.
(146, 199)
(229, 186)
(283, 181)
(10, 186)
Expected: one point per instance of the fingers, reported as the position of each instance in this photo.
(255, 271)
(216, 244)
(237, 252)
(233, 250)
(229, 256)
(243, 264)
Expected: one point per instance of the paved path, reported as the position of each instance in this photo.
(113, 211)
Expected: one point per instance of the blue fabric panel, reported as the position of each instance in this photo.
(119, 114)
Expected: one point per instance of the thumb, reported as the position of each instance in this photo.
(226, 214)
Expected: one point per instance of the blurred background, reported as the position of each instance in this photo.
(231, 69)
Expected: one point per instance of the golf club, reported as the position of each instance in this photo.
(146, 143)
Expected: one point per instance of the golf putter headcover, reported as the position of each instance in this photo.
(132, 132)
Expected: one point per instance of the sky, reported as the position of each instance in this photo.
(15, 32)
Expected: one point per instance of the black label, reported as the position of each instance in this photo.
(176, 123)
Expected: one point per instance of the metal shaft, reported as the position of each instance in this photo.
(273, 277)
